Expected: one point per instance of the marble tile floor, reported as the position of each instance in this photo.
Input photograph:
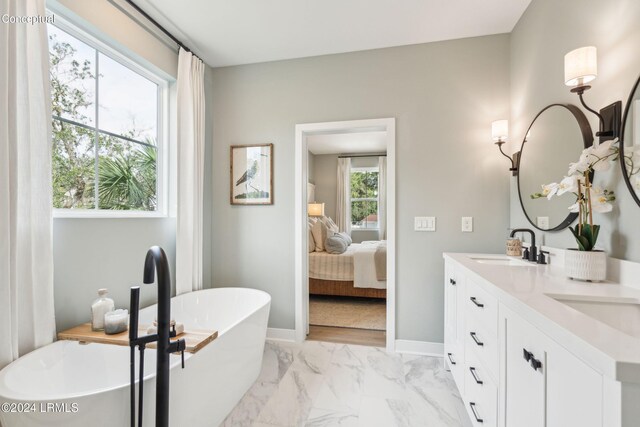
(324, 384)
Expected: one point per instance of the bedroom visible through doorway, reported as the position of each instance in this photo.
(346, 219)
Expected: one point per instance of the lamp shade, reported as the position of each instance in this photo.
(316, 209)
(580, 66)
(500, 130)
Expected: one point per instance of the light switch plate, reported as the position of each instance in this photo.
(467, 224)
(543, 222)
(425, 223)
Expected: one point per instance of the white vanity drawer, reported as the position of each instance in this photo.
(481, 398)
(483, 343)
(456, 363)
(482, 306)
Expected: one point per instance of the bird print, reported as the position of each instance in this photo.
(248, 175)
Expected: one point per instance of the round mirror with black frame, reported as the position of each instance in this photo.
(630, 143)
(556, 137)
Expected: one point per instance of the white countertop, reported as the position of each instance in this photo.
(525, 289)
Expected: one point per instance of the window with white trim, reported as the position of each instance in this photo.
(107, 123)
(364, 198)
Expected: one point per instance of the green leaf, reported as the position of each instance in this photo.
(583, 243)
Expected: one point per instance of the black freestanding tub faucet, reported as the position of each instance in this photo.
(157, 265)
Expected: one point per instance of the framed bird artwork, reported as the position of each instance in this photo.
(251, 180)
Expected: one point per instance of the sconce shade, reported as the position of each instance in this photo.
(316, 209)
(581, 66)
(500, 130)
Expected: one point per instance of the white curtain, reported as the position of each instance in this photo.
(191, 109)
(343, 202)
(382, 198)
(26, 254)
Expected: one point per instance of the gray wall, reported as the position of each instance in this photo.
(546, 32)
(109, 253)
(311, 167)
(326, 176)
(443, 96)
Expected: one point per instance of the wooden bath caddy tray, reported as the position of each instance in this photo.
(195, 340)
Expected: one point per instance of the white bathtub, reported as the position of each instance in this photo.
(69, 384)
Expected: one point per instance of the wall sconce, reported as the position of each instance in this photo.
(315, 209)
(499, 134)
(580, 68)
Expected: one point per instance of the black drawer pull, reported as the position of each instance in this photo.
(528, 356)
(453, 282)
(451, 359)
(475, 301)
(473, 335)
(472, 405)
(474, 375)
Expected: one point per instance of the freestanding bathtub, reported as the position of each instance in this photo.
(69, 384)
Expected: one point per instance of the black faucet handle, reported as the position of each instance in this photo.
(525, 253)
(541, 257)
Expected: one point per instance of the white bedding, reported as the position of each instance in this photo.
(364, 267)
(356, 264)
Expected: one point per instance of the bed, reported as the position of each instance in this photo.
(355, 273)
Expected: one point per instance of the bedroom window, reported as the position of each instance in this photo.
(364, 198)
(107, 115)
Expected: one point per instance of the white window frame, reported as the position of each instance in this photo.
(162, 166)
(366, 199)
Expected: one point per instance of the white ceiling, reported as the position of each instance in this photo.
(231, 32)
(348, 143)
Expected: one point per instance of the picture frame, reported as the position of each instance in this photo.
(251, 174)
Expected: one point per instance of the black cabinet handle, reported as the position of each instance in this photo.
(536, 364)
(475, 338)
(475, 301)
(472, 405)
(451, 359)
(528, 356)
(474, 375)
(453, 282)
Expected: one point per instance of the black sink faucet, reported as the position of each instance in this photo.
(530, 254)
(156, 264)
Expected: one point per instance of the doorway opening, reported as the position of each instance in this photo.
(345, 232)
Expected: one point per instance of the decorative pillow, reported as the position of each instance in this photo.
(346, 237)
(319, 231)
(312, 242)
(336, 244)
(330, 224)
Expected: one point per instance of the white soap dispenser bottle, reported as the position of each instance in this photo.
(99, 308)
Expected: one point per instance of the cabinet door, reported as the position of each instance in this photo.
(574, 390)
(525, 373)
(451, 306)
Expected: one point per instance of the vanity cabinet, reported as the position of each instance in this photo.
(454, 323)
(512, 374)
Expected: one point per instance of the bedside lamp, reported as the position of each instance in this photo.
(315, 209)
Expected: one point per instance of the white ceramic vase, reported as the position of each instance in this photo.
(585, 265)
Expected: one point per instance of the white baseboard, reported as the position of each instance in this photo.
(277, 334)
(422, 348)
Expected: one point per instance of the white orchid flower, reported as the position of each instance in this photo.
(575, 207)
(568, 185)
(550, 190)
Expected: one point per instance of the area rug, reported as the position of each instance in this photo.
(345, 312)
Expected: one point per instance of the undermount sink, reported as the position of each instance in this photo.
(622, 314)
(511, 262)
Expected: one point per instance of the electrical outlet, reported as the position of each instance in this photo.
(467, 224)
(543, 222)
(424, 223)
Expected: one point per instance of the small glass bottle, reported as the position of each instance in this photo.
(99, 308)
